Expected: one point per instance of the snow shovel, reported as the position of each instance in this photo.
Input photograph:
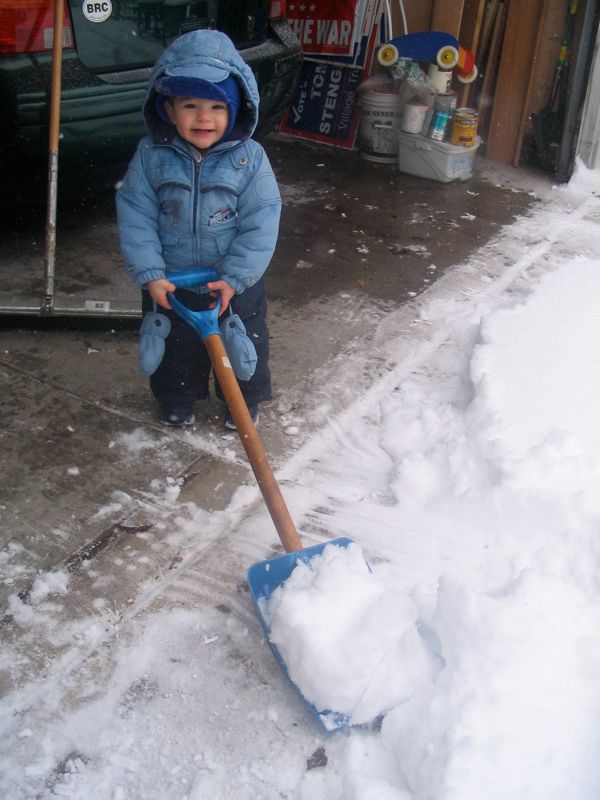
(264, 576)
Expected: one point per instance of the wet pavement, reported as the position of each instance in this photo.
(87, 472)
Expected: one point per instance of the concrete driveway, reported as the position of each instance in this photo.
(87, 473)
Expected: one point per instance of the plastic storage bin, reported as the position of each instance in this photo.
(438, 161)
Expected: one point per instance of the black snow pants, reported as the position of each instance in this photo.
(184, 372)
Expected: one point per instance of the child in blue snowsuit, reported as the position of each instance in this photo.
(199, 192)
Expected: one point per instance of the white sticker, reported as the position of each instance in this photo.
(97, 10)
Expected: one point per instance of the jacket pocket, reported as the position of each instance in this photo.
(178, 251)
(218, 238)
(219, 218)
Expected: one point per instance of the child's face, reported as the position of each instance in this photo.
(199, 121)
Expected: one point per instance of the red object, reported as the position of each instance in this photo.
(277, 9)
(466, 62)
(27, 26)
(323, 26)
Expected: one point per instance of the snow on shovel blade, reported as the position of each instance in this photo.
(266, 576)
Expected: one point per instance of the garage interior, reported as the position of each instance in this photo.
(522, 65)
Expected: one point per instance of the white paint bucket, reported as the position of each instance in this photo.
(380, 114)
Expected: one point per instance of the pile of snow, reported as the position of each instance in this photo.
(350, 646)
(493, 451)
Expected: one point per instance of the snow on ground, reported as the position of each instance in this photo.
(468, 475)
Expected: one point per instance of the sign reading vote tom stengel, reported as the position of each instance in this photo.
(338, 38)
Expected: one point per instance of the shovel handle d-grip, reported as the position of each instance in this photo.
(192, 277)
(204, 322)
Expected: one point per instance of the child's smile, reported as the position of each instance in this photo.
(199, 121)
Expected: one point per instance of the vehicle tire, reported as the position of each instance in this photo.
(387, 55)
(447, 57)
(469, 77)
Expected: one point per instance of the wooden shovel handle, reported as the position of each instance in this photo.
(252, 444)
(57, 49)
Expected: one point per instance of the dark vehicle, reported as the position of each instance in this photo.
(109, 49)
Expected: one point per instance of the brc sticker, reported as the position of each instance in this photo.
(97, 10)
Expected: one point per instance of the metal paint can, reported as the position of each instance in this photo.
(439, 123)
(464, 127)
(445, 102)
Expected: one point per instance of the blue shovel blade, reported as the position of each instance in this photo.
(266, 576)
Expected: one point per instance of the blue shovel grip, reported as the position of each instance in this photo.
(205, 322)
(192, 277)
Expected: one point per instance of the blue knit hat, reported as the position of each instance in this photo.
(226, 91)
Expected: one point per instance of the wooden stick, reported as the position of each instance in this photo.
(491, 69)
(252, 444)
(50, 250)
(470, 31)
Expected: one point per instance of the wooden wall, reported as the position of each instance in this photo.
(527, 60)
(418, 16)
(429, 15)
(446, 15)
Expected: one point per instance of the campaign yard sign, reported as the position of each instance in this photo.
(324, 107)
(323, 26)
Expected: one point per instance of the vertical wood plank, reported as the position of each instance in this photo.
(446, 15)
(470, 31)
(552, 35)
(485, 97)
(487, 27)
(511, 88)
(524, 122)
(470, 27)
(418, 16)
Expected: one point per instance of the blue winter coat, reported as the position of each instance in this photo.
(222, 212)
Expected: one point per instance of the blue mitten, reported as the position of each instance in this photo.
(240, 349)
(154, 330)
